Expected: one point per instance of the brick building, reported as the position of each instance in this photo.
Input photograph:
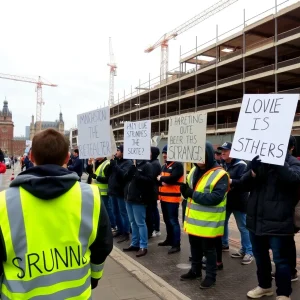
(6, 129)
(19, 145)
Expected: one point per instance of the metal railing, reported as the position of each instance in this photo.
(288, 33)
(260, 70)
(231, 78)
(288, 62)
(260, 43)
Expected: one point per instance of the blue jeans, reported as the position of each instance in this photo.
(108, 205)
(170, 214)
(137, 218)
(240, 219)
(281, 258)
(120, 212)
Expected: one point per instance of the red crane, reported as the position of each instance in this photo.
(39, 99)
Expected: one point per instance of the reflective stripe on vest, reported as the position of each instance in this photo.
(48, 255)
(170, 192)
(103, 187)
(201, 220)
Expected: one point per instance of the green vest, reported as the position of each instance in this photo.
(202, 220)
(48, 243)
(103, 187)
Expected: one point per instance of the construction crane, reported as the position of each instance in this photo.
(112, 74)
(164, 40)
(39, 99)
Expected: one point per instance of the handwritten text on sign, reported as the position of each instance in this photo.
(94, 138)
(264, 127)
(187, 137)
(137, 140)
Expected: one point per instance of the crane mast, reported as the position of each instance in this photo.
(163, 42)
(39, 99)
(112, 74)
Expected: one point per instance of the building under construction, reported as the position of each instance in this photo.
(263, 58)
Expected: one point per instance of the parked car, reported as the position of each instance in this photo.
(7, 162)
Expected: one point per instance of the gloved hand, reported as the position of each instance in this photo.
(255, 164)
(94, 176)
(186, 191)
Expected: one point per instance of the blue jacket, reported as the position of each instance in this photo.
(236, 200)
(76, 166)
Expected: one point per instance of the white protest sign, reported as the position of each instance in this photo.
(94, 137)
(137, 140)
(264, 127)
(187, 137)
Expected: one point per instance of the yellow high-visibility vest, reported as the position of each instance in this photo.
(48, 243)
(202, 220)
(103, 187)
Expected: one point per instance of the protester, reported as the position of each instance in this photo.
(206, 189)
(169, 195)
(152, 213)
(100, 179)
(218, 156)
(76, 165)
(117, 173)
(270, 220)
(236, 205)
(55, 232)
(27, 161)
(138, 194)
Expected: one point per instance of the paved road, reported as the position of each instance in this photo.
(233, 282)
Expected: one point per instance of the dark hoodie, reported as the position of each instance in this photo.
(156, 168)
(220, 189)
(51, 181)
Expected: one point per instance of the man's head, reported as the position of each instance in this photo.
(164, 152)
(119, 154)
(76, 153)
(225, 150)
(50, 147)
(154, 153)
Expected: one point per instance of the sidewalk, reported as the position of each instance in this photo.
(119, 284)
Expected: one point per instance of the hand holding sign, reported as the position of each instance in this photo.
(264, 127)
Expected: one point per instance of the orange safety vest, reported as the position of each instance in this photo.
(170, 192)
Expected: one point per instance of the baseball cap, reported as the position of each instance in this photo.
(225, 146)
(120, 148)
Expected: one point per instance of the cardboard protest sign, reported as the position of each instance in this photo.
(94, 137)
(187, 137)
(137, 140)
(264, 127)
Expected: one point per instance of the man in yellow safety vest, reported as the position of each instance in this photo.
(55, 232)
(100, 179)
(206, 190)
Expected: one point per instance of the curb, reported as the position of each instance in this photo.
(155, 283)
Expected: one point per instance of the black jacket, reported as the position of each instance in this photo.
(156, 167)
(90, 171)
(51, 181)
(236, 200)
(220, 189)
(118, 176)
(273, 196)
(140, 185)
(77, 166)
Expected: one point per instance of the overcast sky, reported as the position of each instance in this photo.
(66, 42)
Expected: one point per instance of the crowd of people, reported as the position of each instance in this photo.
(261, 197)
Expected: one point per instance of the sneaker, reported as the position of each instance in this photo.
(203, 261)
(282, 298)
(124, 238)
(190, 275)
(153, 234)
(114, 229)
(294, 277)
(157, 233)
(247, 259)
(239, 254)
(207, 283)
(258, 292)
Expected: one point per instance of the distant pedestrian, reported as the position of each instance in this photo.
(76, 165)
